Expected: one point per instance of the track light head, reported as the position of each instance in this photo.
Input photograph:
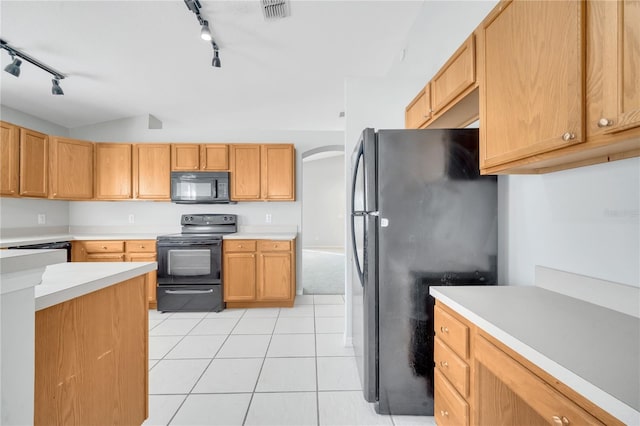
(14, 67)
(216, 59)
(205, 33)
(56, 89)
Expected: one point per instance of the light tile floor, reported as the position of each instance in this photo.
(267, 366)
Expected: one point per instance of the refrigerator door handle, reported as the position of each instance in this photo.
(356, 165)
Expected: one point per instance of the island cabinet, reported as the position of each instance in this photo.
(262, 172)
(70, 169)
(259, 273)
(559, 85)
(34, 164)
(199, 157)
(119, 251)
(9, 159)
(480, 381)
(91, 358)
(113, 179)
(152, 171)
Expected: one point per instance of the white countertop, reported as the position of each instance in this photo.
(594, 350)
(65, 281)
(260, 236)
(24, 268)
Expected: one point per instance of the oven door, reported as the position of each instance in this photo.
(189, 262)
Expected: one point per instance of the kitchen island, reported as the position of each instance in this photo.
(552, 357)
(91, 339)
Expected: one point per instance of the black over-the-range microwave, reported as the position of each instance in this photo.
(200, 187)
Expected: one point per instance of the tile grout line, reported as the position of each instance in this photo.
(246, 414)
(315, 346)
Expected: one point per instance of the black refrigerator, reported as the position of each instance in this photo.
(421, 215)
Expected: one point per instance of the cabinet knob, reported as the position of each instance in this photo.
(444, 413)
(444, 329)
(104, 247)
(560, 420)
(568, 136)
(605, 122)
(241, 246)
(444, 364)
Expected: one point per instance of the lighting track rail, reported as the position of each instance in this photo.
(14, 67)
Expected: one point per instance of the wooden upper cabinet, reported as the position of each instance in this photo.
(457, 75)
(214, 157)
(278, 172)
(613, 66)
(9, 159)
(70, 169)
(245, 172)
(418, 112)
(34, 164)
(205, 157)
(185, 157)
(152, 171)
(113, 171)
(532, 96)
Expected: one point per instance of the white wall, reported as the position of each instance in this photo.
(20, 118)
(585, 221)
(323, 210)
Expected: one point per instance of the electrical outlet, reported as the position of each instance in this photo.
(132, 219)
(267, 218)
(42, 219)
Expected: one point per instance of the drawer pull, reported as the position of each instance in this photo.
(104, 247)
(444, 364)
(560, 421)
(444, 329)
(275, 246)
(444, 413)
(241, 246)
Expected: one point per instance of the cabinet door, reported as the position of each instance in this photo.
(245, 172)
(34, 163)
(152, 277)
(185, 157)
(214, 157)
(9, 158)
(239, 282)
(501, 382)
(274, 277)
(113, 171)
(456, 76)
(531, 99)
(613, 43)
(71, 169)
(152, 171)
(278, 172)
(418, 112)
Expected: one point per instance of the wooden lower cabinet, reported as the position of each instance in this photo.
(493, 385)
(91, 358)
(259, 273)
(120, 251)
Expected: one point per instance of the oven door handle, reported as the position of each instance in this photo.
(189, 291)
(189, 244)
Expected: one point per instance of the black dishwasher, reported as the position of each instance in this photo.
(65, 245)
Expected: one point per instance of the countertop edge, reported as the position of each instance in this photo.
(607, 402)
(55, 297)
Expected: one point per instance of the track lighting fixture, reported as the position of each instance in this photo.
(205, 32)
(56, 89)
(14, 67)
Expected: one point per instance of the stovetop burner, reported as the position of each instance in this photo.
(208, 225)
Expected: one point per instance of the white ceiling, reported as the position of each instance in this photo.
(132, 58)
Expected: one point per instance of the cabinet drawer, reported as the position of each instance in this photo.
(274, 245)
(239, 245)
(452, 332)
(104, 246)
(449, 407)
(140, 246)
(454, 368)
(105, 257)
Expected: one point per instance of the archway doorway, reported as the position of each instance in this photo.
(323, 220)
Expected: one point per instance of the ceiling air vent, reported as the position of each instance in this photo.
(274, 9)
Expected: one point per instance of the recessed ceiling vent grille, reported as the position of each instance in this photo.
(274, 9)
